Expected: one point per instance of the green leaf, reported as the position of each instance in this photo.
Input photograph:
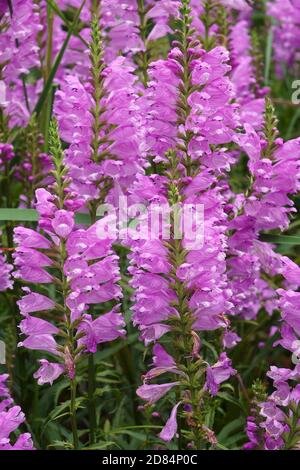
(292, 124)
(280, 239)
(210, 347)
(83, 219)
(61, 444)
(31, 215)
(24, 215)
(128, 429)
(268, 55)
(225, 396)
(229, 429)
(221, 447)
(57, 62)
(62, 16)
(60, 410)
(100, 445)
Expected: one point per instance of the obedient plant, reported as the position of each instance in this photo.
(64, 257)
(99, 122)
(149, 262)
(192, 295)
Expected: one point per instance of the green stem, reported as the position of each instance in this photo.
(73, 414)
(91, 398)
(91, 370)
(46, 72)
(143, 34)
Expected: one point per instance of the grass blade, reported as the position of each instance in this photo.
(268, 55)
(280, 239)
(62, 16)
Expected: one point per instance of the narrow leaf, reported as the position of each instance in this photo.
(31, 215)
(24, 215)
(57, 62)
(268, 55)
(62, 16)
(283, 239)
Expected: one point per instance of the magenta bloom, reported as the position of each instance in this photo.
(34, 302)
(106, 327)
(152, 393)
(63, 223)
(48, 372)
(5, 274)
(218, 373)
(11, 417)
(170, 428)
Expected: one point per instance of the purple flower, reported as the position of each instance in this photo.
(230, 339)
(24, 442)
(63, 223)
(21, 52)
(152, 393)
(242, 5)
(36, 326)
(73, 109)
(90, 273)
(106, 327)
(286, 14)
(40, 342)
(3, 6)
(11, 417)
(28, 238)
(170, 428)
(5, 276)
(34, 302)
(48, 372)
(218, 373)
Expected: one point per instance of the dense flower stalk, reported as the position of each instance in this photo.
(191, 293)
(265, 206)
(99, 122)
(248, 90)
(19, 54)
(63, 258)
(286, 18)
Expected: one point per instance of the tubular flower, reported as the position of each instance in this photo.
(11, 417)
(5, 274)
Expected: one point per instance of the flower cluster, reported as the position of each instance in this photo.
(179, 287)
(5, 270)
(20, 51)
(11, 417)
(286, 17)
